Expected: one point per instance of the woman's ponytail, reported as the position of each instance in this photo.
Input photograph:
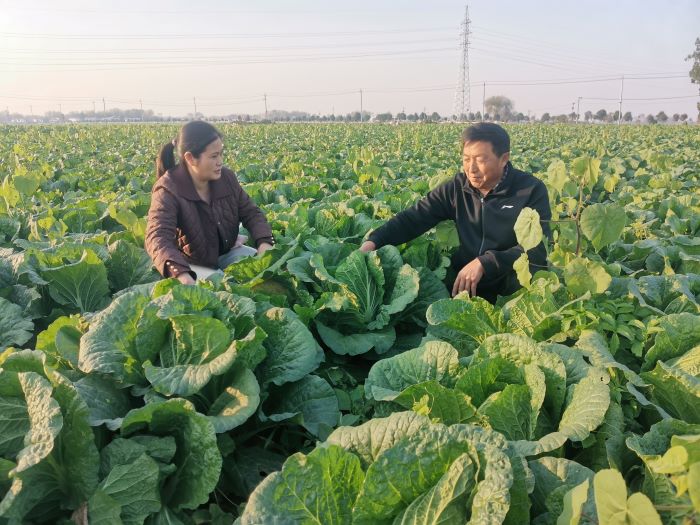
(165, 160)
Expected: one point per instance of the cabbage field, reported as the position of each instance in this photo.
(316, 384)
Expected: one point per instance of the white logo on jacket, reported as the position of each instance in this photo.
(506, 206)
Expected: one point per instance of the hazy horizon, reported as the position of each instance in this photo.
(316, 57)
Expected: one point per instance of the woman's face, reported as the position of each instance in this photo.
(208, 165)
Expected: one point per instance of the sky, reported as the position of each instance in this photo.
(230, 57)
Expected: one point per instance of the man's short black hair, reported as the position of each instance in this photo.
(488, 132)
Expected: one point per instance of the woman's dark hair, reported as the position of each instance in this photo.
(194, 137)
(488, 132)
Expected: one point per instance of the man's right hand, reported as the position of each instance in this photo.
(468, 278)
(368, 246)
(186, 278)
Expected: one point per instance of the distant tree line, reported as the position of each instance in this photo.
(694, 72)
(111, 115)
(498, 108)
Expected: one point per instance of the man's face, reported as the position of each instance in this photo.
(482, 166)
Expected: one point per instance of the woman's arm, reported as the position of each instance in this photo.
(161, 235)
(253, 218)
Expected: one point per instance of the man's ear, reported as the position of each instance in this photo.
(505, 157)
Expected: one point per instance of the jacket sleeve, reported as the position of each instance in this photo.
(435, 207)
(498, 262)
(161, 234)
(252, 217)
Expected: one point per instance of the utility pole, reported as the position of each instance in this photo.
(104, 106)
(622, 87)
(93, 107)
(194, 100)
(360, 105)
(463, 94)
(483, 102)
(578, 109)
(31, 110)
(141, 103)
(265, 99)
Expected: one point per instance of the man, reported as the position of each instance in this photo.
(484, 202)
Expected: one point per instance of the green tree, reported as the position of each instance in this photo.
(695, 70)
(627, 117)
(651, 119)
(499, 105)
(601, 114)
(588, 116)
(661, 116)
(545, 117)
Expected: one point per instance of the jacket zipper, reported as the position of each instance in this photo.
(483, 232)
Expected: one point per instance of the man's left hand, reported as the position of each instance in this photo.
(468, 277)
(264, 246)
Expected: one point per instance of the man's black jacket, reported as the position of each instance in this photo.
(484, 224)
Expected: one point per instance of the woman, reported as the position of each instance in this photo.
(196, 208)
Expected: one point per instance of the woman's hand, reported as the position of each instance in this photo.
(368, 246)
(186, 278)
(264, 246)
(240, 241)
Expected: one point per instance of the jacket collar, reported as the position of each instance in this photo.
(500, 189)
(178, 181)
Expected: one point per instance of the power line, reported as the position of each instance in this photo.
(188, 11)
(579, 81)
(544, 58)
(522, 58)
(417, 57)
(412, 90)
(551, 48)
(207, 36)
(448, 87)
(555, 48)
(325, 94)
(642, 99)
(206, 62)
(175, 50)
